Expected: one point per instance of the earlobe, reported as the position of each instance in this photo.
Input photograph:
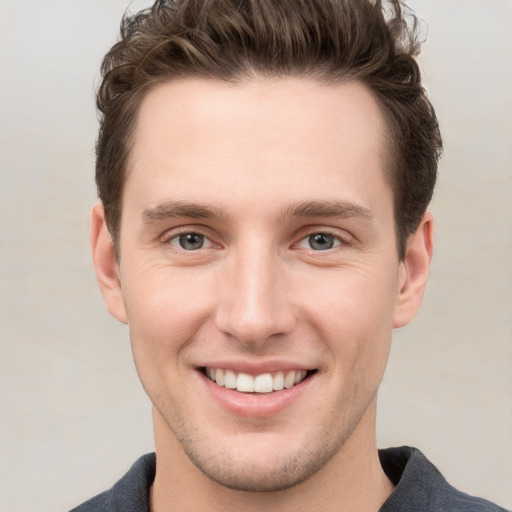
(414, 271)
(105, 264)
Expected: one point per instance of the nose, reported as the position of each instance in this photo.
(254, 305)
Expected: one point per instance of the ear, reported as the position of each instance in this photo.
(105, 264)
(414, 270)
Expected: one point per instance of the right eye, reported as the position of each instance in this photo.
(190, 241)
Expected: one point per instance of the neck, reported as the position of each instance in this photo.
(353, 480)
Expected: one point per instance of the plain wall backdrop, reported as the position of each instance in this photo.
(73, 416)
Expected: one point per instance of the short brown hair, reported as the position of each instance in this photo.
(330, 41)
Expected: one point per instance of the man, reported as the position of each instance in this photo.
(264, 169)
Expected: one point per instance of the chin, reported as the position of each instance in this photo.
(262, 469)
(276, 475)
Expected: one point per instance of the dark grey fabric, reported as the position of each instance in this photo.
(419, 487)
(130, 494)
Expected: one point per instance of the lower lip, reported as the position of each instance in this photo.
(253, 404)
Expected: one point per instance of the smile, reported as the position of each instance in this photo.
(263, 383)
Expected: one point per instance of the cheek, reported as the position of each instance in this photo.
(354, 317)
(160, 292)
(352, 299)
(164, 311)
(162, 321)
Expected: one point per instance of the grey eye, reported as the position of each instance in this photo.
(191, 241)
(321, 241)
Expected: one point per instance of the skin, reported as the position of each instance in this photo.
(254, 170)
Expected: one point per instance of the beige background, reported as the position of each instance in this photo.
(73, 415)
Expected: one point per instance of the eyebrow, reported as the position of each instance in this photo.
(341, 209)
(177, 209)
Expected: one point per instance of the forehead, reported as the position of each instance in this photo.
(279, 139)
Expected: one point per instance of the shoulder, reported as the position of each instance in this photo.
(97, 504)
(421, 487)
(129, 494)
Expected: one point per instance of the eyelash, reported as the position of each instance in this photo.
(168, 238)
(338, 241)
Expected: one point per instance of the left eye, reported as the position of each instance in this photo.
(320, 241)
(190, 241)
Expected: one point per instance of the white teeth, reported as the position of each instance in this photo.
(230, 379)
(219, 377)
(244, 383)
(278, 381)
(264, 383)
(299, 376)
(289, 380)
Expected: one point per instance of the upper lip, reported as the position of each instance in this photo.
(256, 368)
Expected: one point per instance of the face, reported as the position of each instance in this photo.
(259, 273)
